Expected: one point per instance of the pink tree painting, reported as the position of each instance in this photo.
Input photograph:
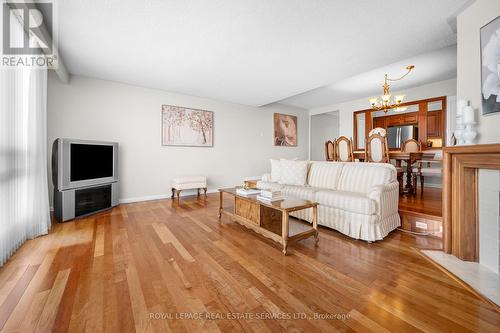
(186, 127)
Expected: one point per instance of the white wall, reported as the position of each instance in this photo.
(469, 24)
(102, 110)
(323, 127)
(346, 109)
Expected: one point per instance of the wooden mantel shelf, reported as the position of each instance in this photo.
(460, 198)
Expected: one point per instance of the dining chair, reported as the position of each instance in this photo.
(376, 149)
(330, 150)
(343, 150)
(378, 130)
(411, 146)
(426, 168)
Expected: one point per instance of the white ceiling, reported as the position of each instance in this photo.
(429, 67)
(251, 52)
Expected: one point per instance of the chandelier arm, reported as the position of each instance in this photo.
(379, 108)
(404, 75)
(385, 107)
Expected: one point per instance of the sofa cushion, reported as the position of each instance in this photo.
(348, 201)
(361, 177)
(299, 192)
(293, 172)
(275, 170)
(263, 185)
(324, 174)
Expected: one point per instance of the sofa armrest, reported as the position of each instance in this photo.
(266, 177)
(387, 198)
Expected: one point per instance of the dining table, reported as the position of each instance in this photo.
(399, 156)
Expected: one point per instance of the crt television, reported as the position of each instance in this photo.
(80, 163)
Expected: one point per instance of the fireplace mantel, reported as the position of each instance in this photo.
(460, 196)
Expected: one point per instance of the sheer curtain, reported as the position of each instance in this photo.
(24, 201)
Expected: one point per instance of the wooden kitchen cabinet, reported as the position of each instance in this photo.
(393, 121)
(379, 122)
(434, 128)
(410, 118)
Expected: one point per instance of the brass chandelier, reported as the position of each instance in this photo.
(387, 101)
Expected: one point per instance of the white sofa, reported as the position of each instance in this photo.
(357, 199)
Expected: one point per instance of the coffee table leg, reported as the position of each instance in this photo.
(220, 205)
(284, 231)
(315, 224)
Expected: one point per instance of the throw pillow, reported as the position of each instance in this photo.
(275, 170)
(293, 172)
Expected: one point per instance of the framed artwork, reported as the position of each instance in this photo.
(490, 67)
(186, 127)
(285, 130)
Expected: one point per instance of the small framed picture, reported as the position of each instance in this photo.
(285, 130)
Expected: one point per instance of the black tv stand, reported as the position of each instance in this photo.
(80, 202)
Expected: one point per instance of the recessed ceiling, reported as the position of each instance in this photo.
(250, 52)
(429, 67)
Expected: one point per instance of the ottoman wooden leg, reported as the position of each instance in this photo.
(173, 193)
(205, 190)
(198, 192)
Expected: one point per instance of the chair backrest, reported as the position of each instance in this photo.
(376, 149)
(378, 130)
(343, 149)
(411, 146)
(330, 150)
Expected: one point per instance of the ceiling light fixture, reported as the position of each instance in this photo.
(387, 101)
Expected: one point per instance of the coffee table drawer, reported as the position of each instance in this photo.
(271, 219)
(247, 209)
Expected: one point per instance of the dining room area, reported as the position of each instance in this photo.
(410, 137)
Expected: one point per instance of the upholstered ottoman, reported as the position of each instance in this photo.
(188, 183)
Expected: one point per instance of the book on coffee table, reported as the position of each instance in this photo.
(269, 200)
(271, 194)
(246, 192)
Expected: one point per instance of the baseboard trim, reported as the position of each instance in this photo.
(154, 197)
(145, 198)
(160, 196)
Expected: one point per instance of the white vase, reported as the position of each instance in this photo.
(459, 131)
(469, 134)
(468, 116)
(461, 104)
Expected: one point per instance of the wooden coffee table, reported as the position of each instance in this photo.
(271, 220)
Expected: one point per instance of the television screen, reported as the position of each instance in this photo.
(90, 161)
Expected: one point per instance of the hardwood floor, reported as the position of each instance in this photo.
(153, 266)
(429, 203)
